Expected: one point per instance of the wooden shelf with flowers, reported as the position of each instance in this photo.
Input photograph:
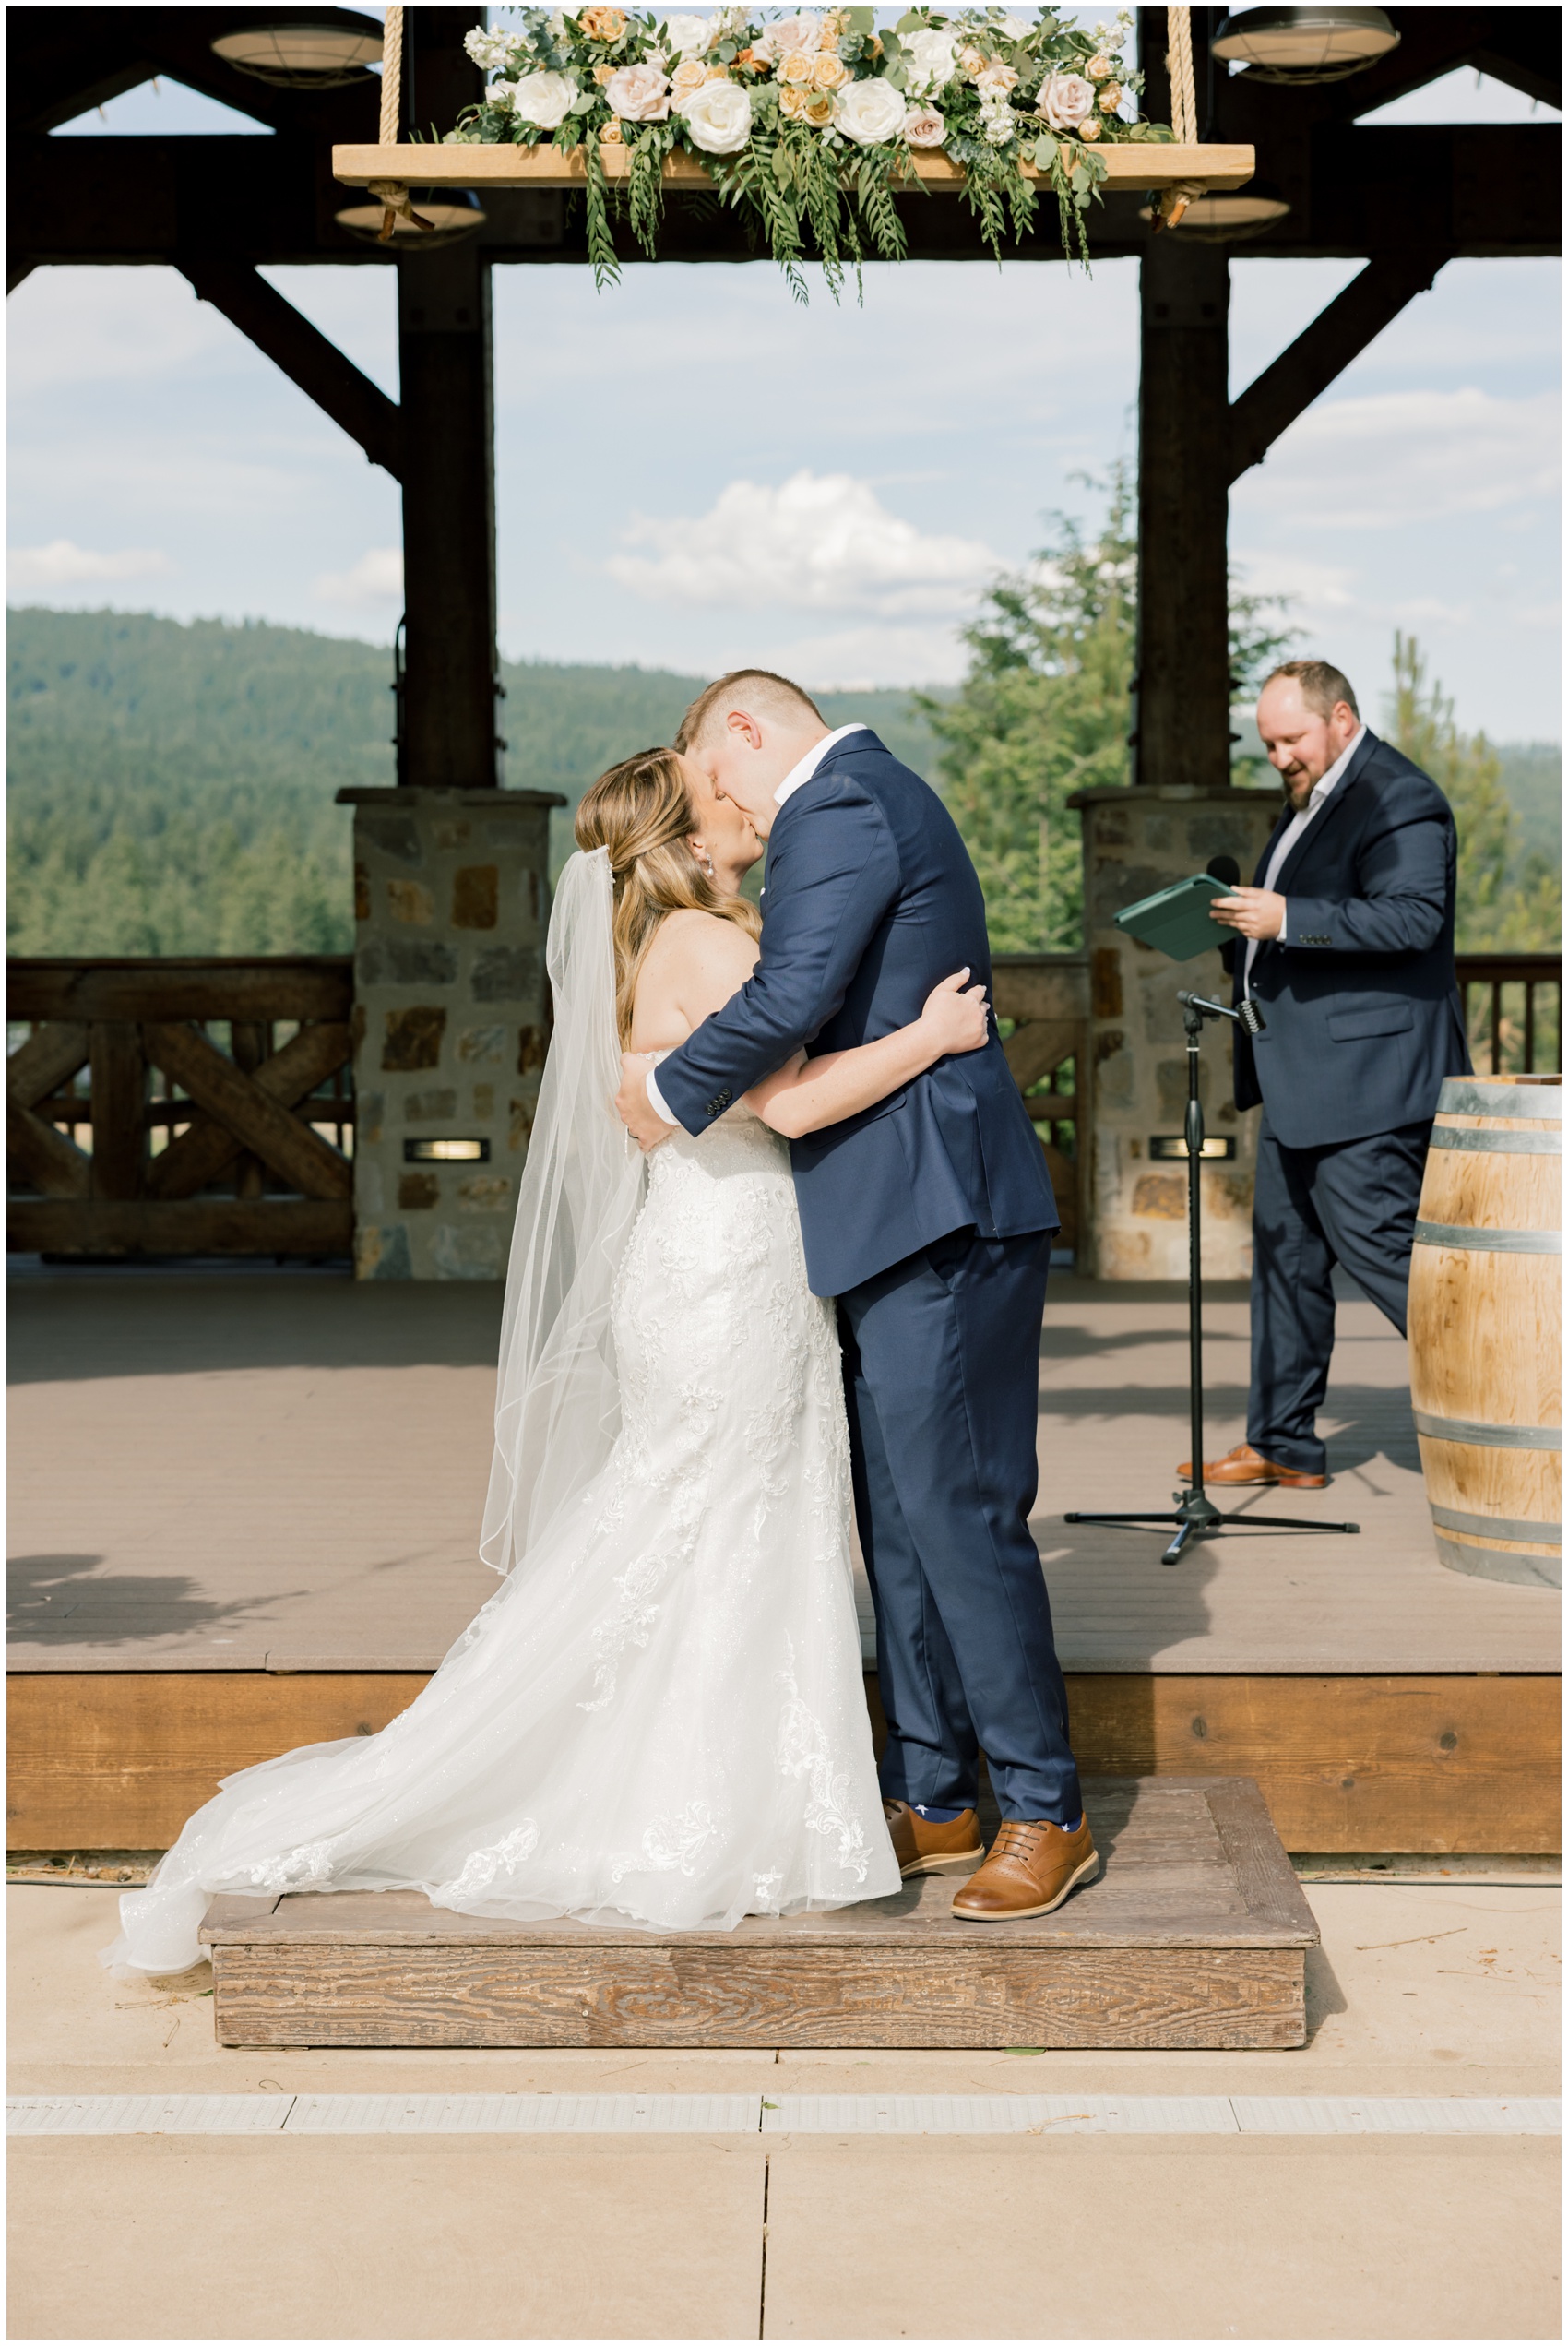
(810, 123)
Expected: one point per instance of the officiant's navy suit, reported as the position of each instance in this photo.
(929, 1217)
(1362, 1022)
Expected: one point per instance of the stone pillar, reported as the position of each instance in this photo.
(1135, 1086)
(451, 1019)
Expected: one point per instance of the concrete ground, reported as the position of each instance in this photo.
(1419, 1988)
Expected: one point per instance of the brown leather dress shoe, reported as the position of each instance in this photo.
(924, 1847)
(1030, 1870)
(1243, 1464)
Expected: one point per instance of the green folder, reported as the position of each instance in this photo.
(1177, 920)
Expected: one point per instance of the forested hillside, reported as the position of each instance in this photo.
(171, 787)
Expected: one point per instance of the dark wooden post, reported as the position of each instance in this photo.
(1182, 721)
(1183, 709)
(443, 353)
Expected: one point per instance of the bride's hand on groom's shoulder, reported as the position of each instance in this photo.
(957, 1016)
(633, 1106)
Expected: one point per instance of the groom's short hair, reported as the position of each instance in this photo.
(756, 690)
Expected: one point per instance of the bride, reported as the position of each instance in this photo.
(659, 1718)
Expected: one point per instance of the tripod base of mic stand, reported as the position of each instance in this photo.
(1195, 1515)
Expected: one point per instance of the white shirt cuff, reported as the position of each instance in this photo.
(1284, 919)
(656, 1101)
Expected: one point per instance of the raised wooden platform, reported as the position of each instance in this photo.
(1194, 1935)
(244, 1508)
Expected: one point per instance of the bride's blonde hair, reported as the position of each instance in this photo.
(640, 811)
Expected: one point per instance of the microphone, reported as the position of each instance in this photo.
(1224, 867)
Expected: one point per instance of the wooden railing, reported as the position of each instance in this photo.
(1512, 1012)
(173, 1145)
(1042, 1001)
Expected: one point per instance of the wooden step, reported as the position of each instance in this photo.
(1194, 1935)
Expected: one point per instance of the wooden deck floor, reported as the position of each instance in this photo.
(258, 1470)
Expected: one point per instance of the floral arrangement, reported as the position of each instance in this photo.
(808, 124)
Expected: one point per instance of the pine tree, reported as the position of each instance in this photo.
(1043, 712)
(1509, 897)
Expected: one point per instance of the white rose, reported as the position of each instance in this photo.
(923, 126)
(639, 93)
(686, 35)
(1011, 28)
(803, 31)
(933, 60)
(489, 51)
(719, 116)
(544, 99)
(869, 112)
(1066, 101)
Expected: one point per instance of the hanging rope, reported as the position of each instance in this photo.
(393, 192)
(1183, 111)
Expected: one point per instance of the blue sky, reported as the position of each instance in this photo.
(692, 472)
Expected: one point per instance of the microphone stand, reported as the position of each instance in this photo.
(1195, 1515)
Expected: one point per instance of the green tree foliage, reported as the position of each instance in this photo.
(171, 787)
(1043, 712)
(1510, 892)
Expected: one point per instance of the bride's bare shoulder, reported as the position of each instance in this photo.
(694, 939)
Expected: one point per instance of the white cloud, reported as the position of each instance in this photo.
(1403, 456)
(377, 577)
(821, 541)
(40, 570)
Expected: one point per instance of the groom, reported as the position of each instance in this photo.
(929, 1217)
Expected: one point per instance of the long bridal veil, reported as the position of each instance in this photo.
(557, 1401)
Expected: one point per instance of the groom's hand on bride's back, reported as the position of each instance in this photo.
(957, 1016)
(633, 1106)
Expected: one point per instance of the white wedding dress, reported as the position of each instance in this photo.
(659, 1719)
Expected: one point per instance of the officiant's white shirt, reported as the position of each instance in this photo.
(796, 779)
(1288, 837)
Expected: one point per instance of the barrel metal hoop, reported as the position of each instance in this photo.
(1489, 1242)
(1489, 1438)
(1499, 1144)
(1496, 1527)
(1520, 1102)
(1500, 1563)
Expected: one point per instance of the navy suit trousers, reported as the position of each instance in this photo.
(1352, 1203)
(942, 1381)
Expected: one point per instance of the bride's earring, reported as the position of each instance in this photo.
(704, 860)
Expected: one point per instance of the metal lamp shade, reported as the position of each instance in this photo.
(1305, 45)
(320, 53)
(453, 213)
(1231, 215)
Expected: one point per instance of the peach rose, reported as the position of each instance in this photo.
(793, 101)
(972, 60)
(689, 75)
(798, 65)
(603, 74)
(828, 71)
(610, 134)
(1098, 68)
(717, 73)
(1111, 98)
(603, 24)
(818, 108)
(1089, 129)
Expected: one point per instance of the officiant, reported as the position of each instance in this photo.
(1345, 941)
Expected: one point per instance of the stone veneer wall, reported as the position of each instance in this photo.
(451, 905)
(1136, 841)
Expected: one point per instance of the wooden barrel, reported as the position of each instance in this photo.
(1486, 1328)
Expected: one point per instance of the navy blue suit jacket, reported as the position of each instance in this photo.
(1362, 1009)
(871, 900)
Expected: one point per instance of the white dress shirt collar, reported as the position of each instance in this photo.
(1335, 773)
(800, 775)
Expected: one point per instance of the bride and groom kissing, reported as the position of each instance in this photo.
(714, 1346)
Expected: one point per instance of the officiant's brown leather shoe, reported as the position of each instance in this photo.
(922, 1846)
(1031, 1868)
(1243, 1464)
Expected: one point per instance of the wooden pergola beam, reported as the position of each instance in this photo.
(311, 363)
(1340, 333)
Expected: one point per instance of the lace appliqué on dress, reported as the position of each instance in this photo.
(804, 1750)
(671, 1844)
(481, 1868)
